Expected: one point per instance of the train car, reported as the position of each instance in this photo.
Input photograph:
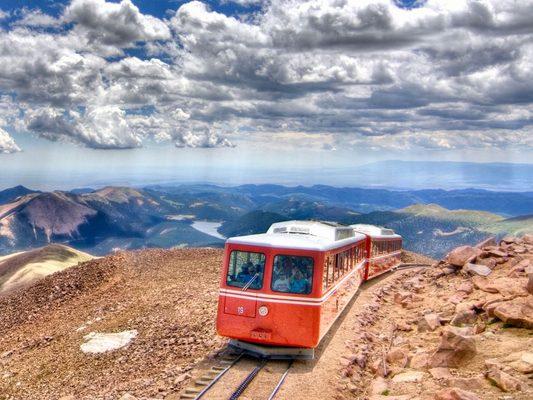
(286, 287)
(384, 248)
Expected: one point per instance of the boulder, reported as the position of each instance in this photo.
(408, 377)
(503, 380)
(504, 285)
(455, 394)
(419, 360)
(127, 396)
(498, 253)
(521, 361)
(397, 357)
(428, 323)
(528, 238)
(466, 287)
(440, 373)
(464, 317)
(461, 255)
(475, 269)
(509, 239)
(488, 262)
(456, 347)
(516, 312)
(467, 383)
(403, 297)
(457, 297)
(519, 268)
(379, 386)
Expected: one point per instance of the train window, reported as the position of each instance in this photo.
(292, 274)
(246, 269)
(327, 276)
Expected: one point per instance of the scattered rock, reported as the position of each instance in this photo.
(461, 255)
(488, 262)
(503, 380)
(464, 317)
(455, 348)
(128, 396)
(524, 364)
(403, 298)
(529, 285)
(397, 357)
(428, 322)
(475, 269)
(517, 312)
(419, 360)
(469, 383)
(440, 373)
(379, 386)
(455, 394)
(467, 287)
(409, 376)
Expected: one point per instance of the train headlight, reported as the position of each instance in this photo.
(263, 311)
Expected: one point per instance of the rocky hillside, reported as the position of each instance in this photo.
(139, 324)
(461, 330)
(156, 308)
(22, 269)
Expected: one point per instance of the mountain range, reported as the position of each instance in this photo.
(111, 218)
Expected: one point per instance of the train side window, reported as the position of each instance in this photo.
(292, 274)
(246, 269)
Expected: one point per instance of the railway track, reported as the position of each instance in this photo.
(202, 386)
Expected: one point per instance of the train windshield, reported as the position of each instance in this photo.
(292, 274)
(246, 270)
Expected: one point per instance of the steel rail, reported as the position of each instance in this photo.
(217, 378)
(280, 382)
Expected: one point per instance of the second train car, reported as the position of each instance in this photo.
(286, 287)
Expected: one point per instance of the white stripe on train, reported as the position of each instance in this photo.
(289, 299)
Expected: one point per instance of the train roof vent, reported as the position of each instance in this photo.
(327, 230)
(372, 230)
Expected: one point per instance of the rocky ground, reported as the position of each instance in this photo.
(462, 329)
(446, 332)
(166, 298)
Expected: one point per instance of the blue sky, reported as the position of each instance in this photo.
(187, 89)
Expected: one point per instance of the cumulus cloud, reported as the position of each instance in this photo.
(118, 24)
(7, 144)
(443, 74)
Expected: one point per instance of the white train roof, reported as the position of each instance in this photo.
(302, 235)
(375, 231)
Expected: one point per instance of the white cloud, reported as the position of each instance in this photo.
(7, 144)
(118, 24)
(446, 74)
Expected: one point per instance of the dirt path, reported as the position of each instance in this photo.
(318, 379)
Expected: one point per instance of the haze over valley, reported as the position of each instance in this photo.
(122, 218)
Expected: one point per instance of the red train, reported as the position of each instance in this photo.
(287, 287)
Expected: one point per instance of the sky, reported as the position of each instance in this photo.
(95, 90)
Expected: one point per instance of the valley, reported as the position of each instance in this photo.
(122, 218)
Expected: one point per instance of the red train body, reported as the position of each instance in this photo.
(288, 286)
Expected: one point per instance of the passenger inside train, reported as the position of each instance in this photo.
(292, 274)
(246, 270)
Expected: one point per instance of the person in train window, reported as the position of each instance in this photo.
(256, 273)
(244, 276)
(298, 283)
(282, 283)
